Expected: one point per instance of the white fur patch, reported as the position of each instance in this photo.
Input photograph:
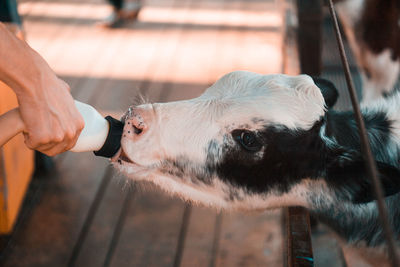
(185, 128)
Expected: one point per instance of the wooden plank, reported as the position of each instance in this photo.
(118, 228)
(101, 233)
(290, 55)
(216, 239)
(299, 247)
(262, 51)
(310, 36)
(199, 240)
(47, 34)
(90, 258)
(64, 205)
(298, 251)
(65, 45)
(196, 59)
(187, 212)
(326, 248)
(47, 236)
(251, 239)
(177, 61)
(170, 254)
(151, 231)
(230, 43)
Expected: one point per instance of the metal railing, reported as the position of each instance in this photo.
(299, 247)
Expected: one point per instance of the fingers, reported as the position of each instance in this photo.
(74, 137)
(55, 142)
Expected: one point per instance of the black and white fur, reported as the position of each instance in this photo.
(256, 141)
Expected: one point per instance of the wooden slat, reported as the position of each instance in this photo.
(115, 95)
(77, 170)
(125, 207)
(299, 247)
(81, 240)
(250, 239)
(198, 249)
(96, 244)
(173, 212)
(310, 36)
(216, 239)
(182, 235)
(150, 233)
(326, 248)
(309, 45)
(47, 236)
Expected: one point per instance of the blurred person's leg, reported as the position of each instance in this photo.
(10, 17)
(9, 12)
(122, 12)
(117, 4)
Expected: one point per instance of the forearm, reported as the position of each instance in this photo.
(52, 122)
(20, 65)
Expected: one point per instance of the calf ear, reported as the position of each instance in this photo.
(350, 178)
(328, 90)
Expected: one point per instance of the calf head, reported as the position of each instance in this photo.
(249, 141)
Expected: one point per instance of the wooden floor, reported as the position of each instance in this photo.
(84, 213)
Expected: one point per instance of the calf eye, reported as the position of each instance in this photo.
(247, 140)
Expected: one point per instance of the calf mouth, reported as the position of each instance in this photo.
(122, 158)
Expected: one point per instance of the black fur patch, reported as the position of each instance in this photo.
(328, 90)
(342, 126)
(351, 177)
(289, 156)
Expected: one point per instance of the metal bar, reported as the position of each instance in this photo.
(365, 146)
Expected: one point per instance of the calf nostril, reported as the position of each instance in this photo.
(137, 130)
(135, 124)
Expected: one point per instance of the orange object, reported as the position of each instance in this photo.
(16, 166)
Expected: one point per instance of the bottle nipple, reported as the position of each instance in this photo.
(101, 135)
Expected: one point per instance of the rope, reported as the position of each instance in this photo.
(366, 148)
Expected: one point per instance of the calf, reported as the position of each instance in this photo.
(256, 142)
(373, 30)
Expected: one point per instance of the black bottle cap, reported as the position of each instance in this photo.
(113, 140)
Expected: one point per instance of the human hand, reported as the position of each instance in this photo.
(52, 122)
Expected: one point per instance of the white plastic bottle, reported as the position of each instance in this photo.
(101, 135)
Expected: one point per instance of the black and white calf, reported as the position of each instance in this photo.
(373, 30)
(254, 141)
